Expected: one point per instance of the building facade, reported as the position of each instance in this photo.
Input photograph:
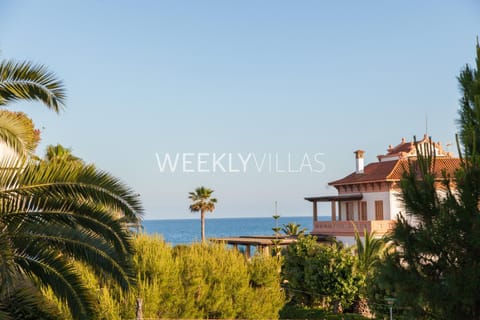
(368, 198)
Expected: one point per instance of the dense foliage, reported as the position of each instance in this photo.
(321, 275)
(199, 281)
(54, 215)
(435, 271)
(304, 312)
(469, 120)
(195, 282)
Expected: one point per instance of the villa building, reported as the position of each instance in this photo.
(368, 198)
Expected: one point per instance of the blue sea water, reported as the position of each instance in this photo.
(187, 231)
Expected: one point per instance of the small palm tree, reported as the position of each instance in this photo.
(293, 229)
(202, 202)
(368, 255)
(368, 251)
(60, 153)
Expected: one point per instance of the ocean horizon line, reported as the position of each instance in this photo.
(228, 218)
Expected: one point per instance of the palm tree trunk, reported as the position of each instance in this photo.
(202, 218)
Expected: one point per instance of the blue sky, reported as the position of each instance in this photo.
(276, 77)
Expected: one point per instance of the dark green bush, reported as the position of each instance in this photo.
(321, 275)
(291, 311)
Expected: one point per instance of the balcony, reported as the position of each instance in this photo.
(347, 228)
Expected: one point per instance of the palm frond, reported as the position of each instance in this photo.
(18, 132)
(100, 223)
(78, 183)
(55, 271)
(28, 81)
(8, 268)
(53, 213)
(202, 200)
(85, 246)
(26, 302)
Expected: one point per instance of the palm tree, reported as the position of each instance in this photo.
(26, 81)
(60, 153)
(52, 214)
(293, 229)
(55, 213)
(368, 255)
(202, 202)
(368, 251)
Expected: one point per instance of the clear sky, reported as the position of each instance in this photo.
(249, 77)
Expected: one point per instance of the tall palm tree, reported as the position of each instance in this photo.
(202, 202)
(52, 214)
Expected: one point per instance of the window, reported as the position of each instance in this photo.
(379, 210)
(349, 208)
(363, 211)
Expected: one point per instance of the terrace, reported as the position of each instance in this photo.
(345, 226)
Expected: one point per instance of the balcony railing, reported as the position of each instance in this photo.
(347, 228)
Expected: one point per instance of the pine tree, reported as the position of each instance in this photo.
(469, 121)
(434, 273)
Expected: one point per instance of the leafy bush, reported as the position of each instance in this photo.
(292, 311)
(301, 312)
(204, 281)
(195, 281)
(320, 274)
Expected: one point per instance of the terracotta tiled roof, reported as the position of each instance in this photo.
(392, 171)
(449, 165)
(402, 147)
(377, 171)
(408, 149)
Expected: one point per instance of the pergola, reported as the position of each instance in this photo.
(333, 199)
(260, 243)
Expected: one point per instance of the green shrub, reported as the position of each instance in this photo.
(320, 274)
(158, 279)
(291, 311)
(194, 281)
(265, 297)
(345, 316)
(205, 281)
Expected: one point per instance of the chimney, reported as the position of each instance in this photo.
(359, 161)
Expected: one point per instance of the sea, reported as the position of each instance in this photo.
(186, 231)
